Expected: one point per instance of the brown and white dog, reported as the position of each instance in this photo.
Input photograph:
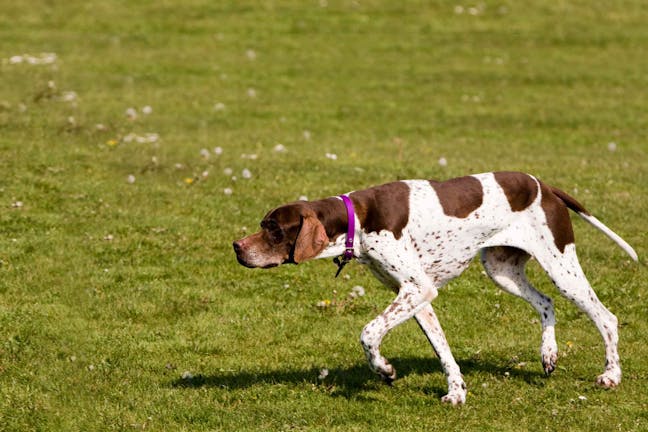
(416, 235)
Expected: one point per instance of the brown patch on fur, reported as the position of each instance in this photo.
(557, 217)
(569, 201)
(384, 207)
(459, 196)
(332, 214)
(520, 189)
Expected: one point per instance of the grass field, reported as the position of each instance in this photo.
(138, 139)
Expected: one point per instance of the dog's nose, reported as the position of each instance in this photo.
(237, 247)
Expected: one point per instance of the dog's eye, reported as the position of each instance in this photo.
(277, 234)
(273, 228)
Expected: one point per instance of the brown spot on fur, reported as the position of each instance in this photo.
(557, 217)
(384, 207)
(520, 189)
(459, 196)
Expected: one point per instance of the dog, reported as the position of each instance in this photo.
(416, 235)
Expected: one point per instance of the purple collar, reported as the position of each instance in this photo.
(347, 256)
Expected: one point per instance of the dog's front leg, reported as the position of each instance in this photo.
(430, 325)
(412, 298)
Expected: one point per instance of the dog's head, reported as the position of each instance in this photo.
(289, 234)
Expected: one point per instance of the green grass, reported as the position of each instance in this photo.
(110, 290)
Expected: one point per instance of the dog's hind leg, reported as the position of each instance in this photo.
(566, 273)
(505, 265)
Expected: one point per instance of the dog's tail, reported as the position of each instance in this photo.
(577, 207)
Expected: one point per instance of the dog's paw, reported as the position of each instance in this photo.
(388, 374)
(455, 398)
(607, 381)
(549, 362)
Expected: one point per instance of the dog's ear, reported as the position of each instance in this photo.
(312, 239)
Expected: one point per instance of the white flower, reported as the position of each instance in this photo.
(251, 92)
(69, 96)
(218, 151)
(219, 106)
(250, 54)
(17, 204)
(307, 135)
(186, 375)
(443, 161)
(612, 146)
(16, 59)
(178, 166)
(323, 374)
(101, 127)
(109, 237)
(252, 156)
(331, 156)
(205, 174)
(279, 148)
(227, 191)
(582, 398)
(303, 198)
(147, 110)
(204, 153)
(45, 58)
(130, 179)
(458, 9)
(228, 171)
(358, 290)
(246, 173)
(131, 113)
(152, 137)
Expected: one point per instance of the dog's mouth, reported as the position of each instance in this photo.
(244, 263)
(251, 258)
(243, 259)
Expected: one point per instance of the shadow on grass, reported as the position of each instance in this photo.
(348, 381)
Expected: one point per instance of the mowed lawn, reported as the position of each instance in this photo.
(139, 139)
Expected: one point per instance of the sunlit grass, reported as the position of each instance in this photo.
(138, 139)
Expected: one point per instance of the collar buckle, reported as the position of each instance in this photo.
(347, 256)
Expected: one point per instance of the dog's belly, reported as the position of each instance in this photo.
(444, 258)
